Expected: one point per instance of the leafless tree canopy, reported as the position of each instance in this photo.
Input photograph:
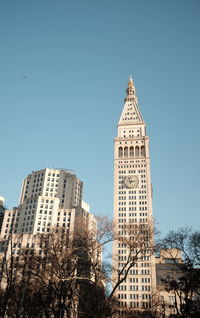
(65, 277)
(184, 281)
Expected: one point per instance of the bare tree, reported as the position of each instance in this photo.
(184, 280)
(64, 275)
(138, 240)
(9, 274)
(41, 281)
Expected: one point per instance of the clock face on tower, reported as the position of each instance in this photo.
(131, 181)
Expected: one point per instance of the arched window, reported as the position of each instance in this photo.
(126, 152)
(120, 152)
(137, 151)
(142, 151)
(131, 151)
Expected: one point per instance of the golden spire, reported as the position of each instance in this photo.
(130, 83)
(131, 88)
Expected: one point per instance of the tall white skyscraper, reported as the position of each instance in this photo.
(49, 198)
(133, 200)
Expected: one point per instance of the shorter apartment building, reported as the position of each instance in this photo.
(43, 194)
(50, 199)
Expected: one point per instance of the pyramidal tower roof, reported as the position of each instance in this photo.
(131, 113)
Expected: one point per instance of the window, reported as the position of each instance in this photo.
(120, 152)
(131, 151)
(126, 152)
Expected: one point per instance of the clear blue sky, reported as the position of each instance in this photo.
(64, 67)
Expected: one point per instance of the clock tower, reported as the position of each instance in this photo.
(132, 202)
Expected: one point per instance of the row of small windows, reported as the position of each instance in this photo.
(133, 225)
(131, 152)
(52, 184)
(30, 206)
(46, 206)
(132, 171)
(135, 288)
(133, 305)
(141, 208)
(131, 161)
(65, 213)
(131, 166)
(47, 201)
(135, 208)
(43, 229)
(35, 190)
(136, 265)
(29, 212)
(36, 185)
(10, 230)
(52, 180)
(50, 189)
(64, 219)
(131, 220)
(132, 192)
(29, 217)
(33, 195)
(63, 224)
(141, 305)
(44, 223)
(45, 212)
(38, 175)
(133, 197)
(44, 217)
(31, 201)
(27, 223)
(53, 174)
(50, 194)
(135, 296)
(132, 232)
(36, 180)
(133, 202)
(12, 219)
(123, 251)
(27, 229)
